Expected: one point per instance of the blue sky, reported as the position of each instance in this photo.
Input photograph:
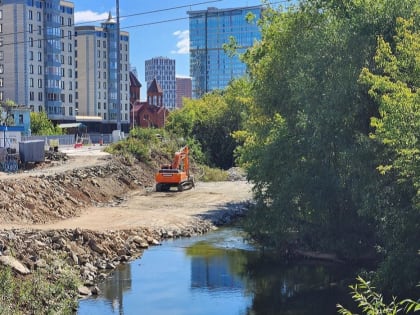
(147, 40)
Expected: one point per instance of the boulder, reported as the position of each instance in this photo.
(15, 264)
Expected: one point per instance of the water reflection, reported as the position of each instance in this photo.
(220, 273)
(117, 285)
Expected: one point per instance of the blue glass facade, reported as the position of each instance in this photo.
(111, 30)
(210, 67)
(52, 57)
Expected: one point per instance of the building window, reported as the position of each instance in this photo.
(31, 96)
(1, 82)
(1, 96)
(40, 96)
(39, 56)
(31, 69)
(40, 83)
(70, 98)
(20, 119)
(31, 28)
(31, 82)
(1, 14)
(39, 69)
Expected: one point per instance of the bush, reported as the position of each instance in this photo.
(213, 174)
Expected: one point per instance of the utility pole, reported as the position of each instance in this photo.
(118, 68)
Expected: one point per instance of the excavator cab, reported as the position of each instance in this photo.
(176, 174)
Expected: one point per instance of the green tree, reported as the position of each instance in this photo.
(41, 125)
(209, 122)
(394, 85)
(307, 145)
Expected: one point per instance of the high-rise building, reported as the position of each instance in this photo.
(183, 90)
(97, 72)
(37, 56)
(211, 68)
(163, 70)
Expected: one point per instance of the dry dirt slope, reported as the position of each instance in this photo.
(93, 190)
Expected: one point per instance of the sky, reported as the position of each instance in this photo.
(157, 28)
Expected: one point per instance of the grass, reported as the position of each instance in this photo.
(42, 292)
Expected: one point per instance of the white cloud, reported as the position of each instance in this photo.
(183, 44)
(89, 16)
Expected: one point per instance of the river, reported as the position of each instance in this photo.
(220, 273)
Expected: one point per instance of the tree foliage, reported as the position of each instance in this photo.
(307, 144)
(208, 123)
(372, 302)
(394, 85)
(41, 125)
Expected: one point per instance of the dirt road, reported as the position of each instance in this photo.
(141, 209)
(154, 210)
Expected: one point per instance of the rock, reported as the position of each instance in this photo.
(95, 290)
(85, 291)
(15, 264)
(95, 247)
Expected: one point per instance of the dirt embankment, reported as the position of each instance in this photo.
(96, 211)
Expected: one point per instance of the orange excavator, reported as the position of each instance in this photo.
(176, 174)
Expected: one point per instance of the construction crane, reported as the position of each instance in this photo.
(176, 174)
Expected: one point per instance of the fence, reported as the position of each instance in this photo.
(70, 139)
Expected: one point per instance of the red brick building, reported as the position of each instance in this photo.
(152, 113)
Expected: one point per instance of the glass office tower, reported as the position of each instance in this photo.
(211, 68)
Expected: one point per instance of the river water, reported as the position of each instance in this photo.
(220, 273)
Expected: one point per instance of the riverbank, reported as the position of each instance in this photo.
(60, 215)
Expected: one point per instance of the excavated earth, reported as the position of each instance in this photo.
(93, 211)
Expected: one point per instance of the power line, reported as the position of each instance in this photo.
(125, 16)
(131, 26)
(153, 11)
